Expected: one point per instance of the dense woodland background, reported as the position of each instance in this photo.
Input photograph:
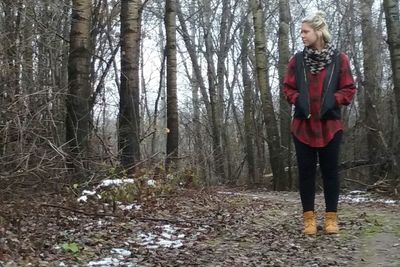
(98, 88)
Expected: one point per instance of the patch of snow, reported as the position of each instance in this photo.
(167, 238)
(88, 193)
(116, 182)
(147, 238)
(105, 262)
(356, 192)
(82, 199)
(121, 252)
(166, 235)
(363, 197)
(168, 228)
(104, 183)
(170, 243)
(130, 207)
(355, 196)
(151, 183)
(85, 194)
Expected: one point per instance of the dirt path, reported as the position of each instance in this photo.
(216, 228)
(379, 242)
(371, 230)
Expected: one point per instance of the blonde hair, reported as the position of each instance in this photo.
(318, 23)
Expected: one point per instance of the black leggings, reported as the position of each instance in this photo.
(328, 157)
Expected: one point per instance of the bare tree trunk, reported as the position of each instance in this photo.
(64, 70)
(129, 117)
(228, 127)
(284, 108)
(194, 59)
(9, 72)
(78, 113)
(370, 86)
(172, 99)
(248, 113)
(27, 73)
(198, 141)
(225, 25)
(273, 138)
(160, 96)
(215, 101)
(209, 104)
(393, 29)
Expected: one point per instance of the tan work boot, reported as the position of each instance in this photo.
(310, 223)
(331, 223)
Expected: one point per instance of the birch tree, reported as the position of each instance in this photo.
(78, 113)
(273, 138)
(172, 99)
(129, 119)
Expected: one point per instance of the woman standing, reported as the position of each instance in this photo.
(318, 82)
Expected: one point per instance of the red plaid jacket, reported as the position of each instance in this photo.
(315, 132)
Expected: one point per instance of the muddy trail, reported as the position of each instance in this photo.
(191, 228)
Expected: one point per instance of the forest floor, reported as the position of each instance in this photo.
(214, 227)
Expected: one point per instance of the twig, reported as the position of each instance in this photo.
(356, 181)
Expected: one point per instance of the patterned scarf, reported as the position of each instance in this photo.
(317, 60)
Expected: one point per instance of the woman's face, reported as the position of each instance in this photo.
(309, 36)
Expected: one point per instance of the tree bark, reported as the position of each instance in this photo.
(215, 100)
(370, 86)
(198, 143)
(284, 108)
(8, 72)
(129, 116)
(392, 15)
(247, 108)
(172, 99)
(223, 43)
(273, 138)
(78, 113)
